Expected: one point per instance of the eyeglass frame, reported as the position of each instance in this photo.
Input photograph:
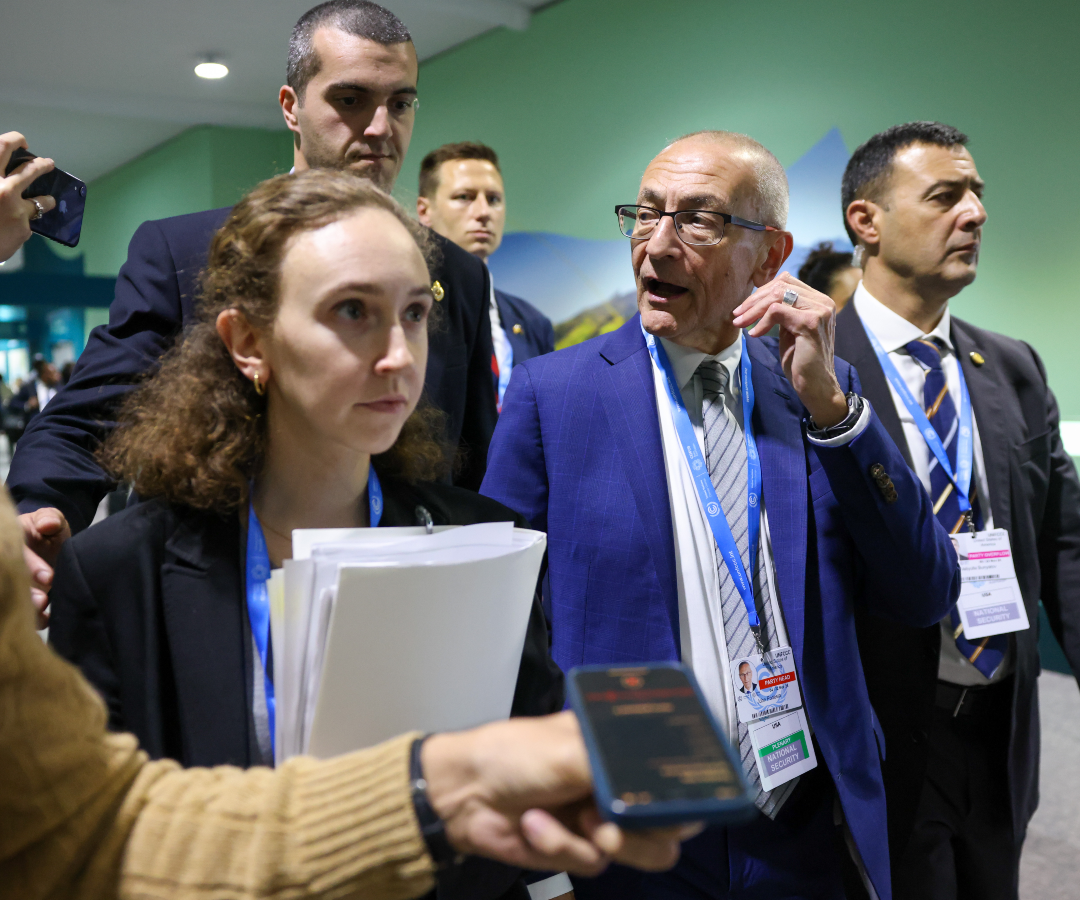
(728, 218)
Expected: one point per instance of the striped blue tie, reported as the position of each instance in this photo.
(987, 654)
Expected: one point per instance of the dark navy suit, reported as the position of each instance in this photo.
(156, 293)
(530, 332)
(1035, 496)
(578, 452)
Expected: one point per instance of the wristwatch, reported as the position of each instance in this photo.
(431, 826)
(855, 408)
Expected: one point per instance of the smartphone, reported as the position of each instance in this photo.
(658, 756)
(62, 224)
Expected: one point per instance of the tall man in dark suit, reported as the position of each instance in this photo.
(350, 102)
(707, 495)
(463, 199)
(961, 717)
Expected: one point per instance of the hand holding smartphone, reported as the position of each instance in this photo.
(658, 756)
(63, 223)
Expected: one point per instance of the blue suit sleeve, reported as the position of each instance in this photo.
(516, 471)
(54, 463)
(912, 572)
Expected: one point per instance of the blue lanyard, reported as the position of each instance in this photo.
(965, 451)
(699, 471)
(257, 573)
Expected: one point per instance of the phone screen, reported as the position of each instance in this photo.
(656, 741)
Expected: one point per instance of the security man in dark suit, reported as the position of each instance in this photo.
(350, 101)
(463, 199)
(961, 718)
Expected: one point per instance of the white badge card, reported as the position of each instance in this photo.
(782, 748)
(765, 687)
(990, 601)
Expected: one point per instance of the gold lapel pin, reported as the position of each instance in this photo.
(977, 357)
(518, 329)
(437, 291)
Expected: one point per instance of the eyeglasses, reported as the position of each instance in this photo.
(699, 227)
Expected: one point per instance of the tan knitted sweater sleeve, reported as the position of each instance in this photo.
(84, 814)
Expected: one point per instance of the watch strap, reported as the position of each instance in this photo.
(431, 826)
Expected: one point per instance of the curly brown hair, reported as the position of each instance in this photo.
(195, 432)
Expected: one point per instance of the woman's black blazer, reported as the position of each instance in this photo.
(149, 604)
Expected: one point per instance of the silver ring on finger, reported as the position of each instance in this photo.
(790, 297)
(37, 206)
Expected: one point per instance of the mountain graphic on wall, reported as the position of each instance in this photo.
(587, 287)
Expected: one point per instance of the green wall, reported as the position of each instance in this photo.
(202, 168)
(578, 104)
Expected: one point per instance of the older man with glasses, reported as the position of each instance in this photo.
(725, 499)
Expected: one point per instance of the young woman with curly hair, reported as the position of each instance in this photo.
(294, 402)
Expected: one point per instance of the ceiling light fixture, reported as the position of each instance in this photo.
(211, 70)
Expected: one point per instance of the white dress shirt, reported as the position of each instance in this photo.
(44, 392)
(894, 332)
(701, 622)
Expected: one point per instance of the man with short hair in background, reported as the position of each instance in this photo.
(462, 198)
(960, 716)
(37, 390)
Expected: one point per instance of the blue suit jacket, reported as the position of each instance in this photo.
(530, 332)
(578, 452)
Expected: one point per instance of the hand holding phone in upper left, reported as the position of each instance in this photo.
(16, 213)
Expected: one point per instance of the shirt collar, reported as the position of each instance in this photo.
(685, 360)
(892, 330)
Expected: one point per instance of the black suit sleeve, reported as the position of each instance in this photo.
(1059, 538)
(540, 685)
(78, 634)
(54, 462)
(19, 401)
(481, 414)
(540, 688)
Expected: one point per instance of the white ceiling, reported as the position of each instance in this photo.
(94, 83)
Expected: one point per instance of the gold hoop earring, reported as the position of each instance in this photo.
(259, 388)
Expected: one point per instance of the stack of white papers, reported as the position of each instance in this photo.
(379, 631)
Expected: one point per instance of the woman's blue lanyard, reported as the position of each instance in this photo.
(257, 573)
(965, 447)
(699, 471)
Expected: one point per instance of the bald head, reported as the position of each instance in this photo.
(687, 291)
(766, 191)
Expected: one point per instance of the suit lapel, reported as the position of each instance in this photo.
(202, 599)
(778, 430)
(628, 399)
(853, 346)
(519, 341)
(987, 395)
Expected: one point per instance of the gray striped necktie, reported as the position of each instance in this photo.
(725, 454)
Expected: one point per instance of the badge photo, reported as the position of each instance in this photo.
(765, 686)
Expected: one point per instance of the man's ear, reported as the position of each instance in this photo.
(423, 211)
(289, 104)
(244, 344)
(863, 217)
(777, 251)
